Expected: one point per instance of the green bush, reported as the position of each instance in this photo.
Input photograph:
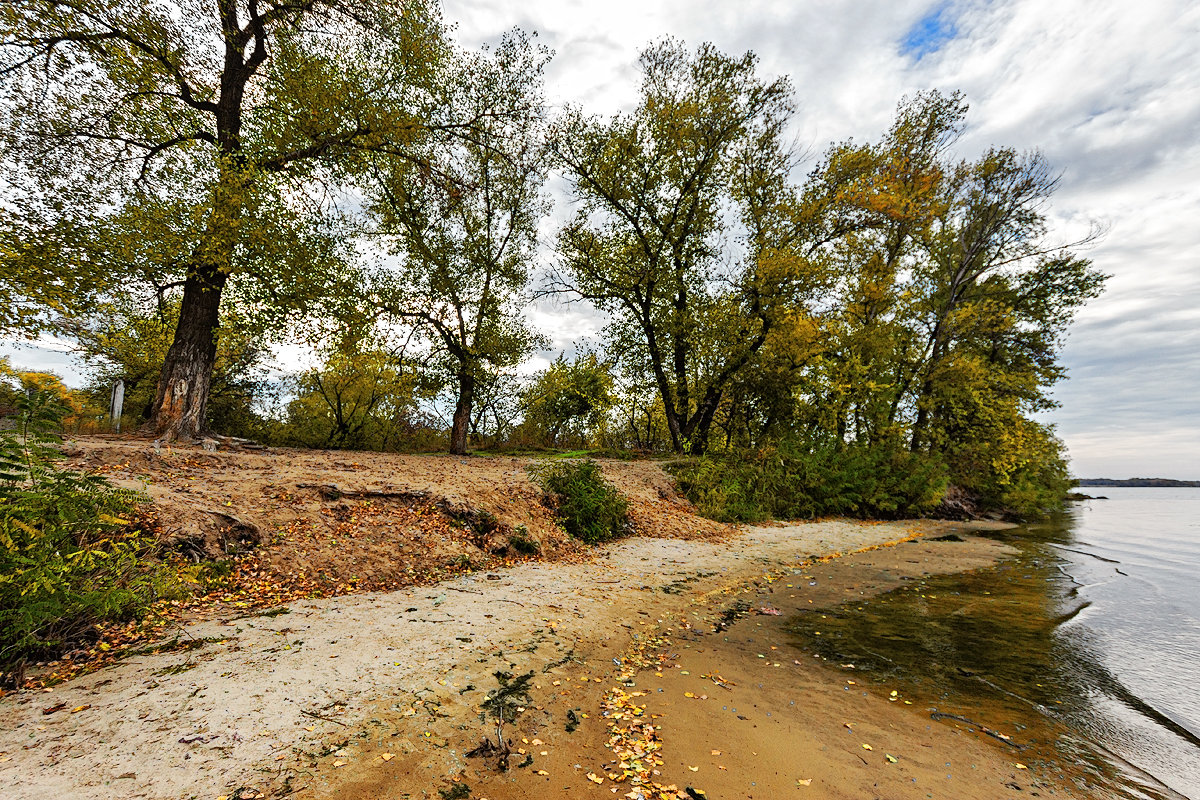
(68, 560)
(590, 508)
(792, 481)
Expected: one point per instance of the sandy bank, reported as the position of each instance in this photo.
(267, 701)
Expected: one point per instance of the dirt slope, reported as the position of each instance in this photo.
(311, 522)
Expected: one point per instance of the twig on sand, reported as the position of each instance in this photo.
(326, 719)
(994, 734)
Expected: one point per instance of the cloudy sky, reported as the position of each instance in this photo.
(1109, 90)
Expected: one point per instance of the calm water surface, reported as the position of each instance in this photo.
(1085, 648)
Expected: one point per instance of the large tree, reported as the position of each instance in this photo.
(222, 127)
(463, 223)
(671, 235)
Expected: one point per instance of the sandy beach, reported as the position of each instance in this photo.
(376, 695)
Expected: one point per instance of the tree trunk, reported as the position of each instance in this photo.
(462, 414)
(181, 402)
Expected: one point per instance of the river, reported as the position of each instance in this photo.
(1084, 648)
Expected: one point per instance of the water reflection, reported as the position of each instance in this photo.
(1003, 648)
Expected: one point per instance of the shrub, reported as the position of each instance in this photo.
(793, 481)
(590, 508)
(68, 559)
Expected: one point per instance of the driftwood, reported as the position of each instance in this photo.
(331, 491)
(489, 749)
(323, 719)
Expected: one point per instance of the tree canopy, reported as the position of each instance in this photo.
(187, 185)
(199, 143)
(663, 195)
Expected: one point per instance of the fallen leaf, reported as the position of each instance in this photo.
(1021, 766)
(541, 772)
(804, 781)
(890, 757)
(694, 769)
(716, 752)
(77, 709)
(339, 763)
(388, 756)
(867, 746)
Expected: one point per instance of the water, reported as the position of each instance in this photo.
(1084, 648)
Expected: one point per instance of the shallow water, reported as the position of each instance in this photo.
(1084, 649)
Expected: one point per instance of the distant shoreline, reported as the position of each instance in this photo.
(1137, 482)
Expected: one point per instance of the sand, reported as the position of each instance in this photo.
(375, 695)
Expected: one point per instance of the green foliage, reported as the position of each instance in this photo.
(522, 542)
(794, 482)
(506, 701)
(363, 396)
(1017, 468)
(464, 224)
(569, 398)
(68, 559)
(589, 507)
(127, 343)
(660, 192)
(15, 384)
(202, 147)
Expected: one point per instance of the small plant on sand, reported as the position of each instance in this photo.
(502, 704)
(456, 791)
(590, 508)
(522, 542)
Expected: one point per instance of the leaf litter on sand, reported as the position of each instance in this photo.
(633, 739)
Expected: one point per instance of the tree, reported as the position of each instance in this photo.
(17, 385)
(570, 396)
(663, 193)
(874, 205)
(363, 395)
(993, 286)
(464, 223)
(124, 341)
(204, 120)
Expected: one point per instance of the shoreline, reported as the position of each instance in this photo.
(376, 695)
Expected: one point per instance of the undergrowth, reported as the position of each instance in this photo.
(71, 553)
(795, 482)
(589, 507)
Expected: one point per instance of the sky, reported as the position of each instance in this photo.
(1108, 90)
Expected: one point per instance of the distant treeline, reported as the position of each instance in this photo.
(1135, 482)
